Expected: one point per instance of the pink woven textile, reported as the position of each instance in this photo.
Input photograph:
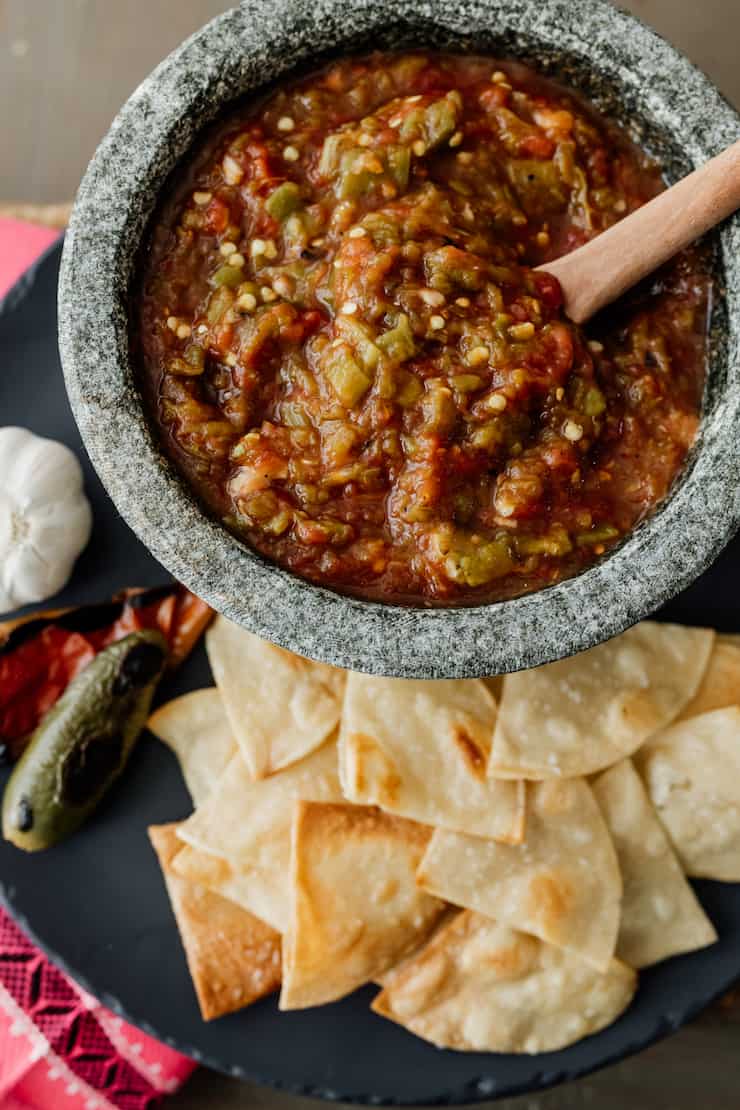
(59, 1048)
(62, 1050)
(20, 244)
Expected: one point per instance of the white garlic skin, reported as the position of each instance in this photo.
(45, 517)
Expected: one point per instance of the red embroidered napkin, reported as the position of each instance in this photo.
(59, 1048)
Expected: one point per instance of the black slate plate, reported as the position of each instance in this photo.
(97, 904)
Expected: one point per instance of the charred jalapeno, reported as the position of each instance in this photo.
(83, 743)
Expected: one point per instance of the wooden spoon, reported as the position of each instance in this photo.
(596, 274)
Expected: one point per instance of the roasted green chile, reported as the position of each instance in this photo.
(83, 743)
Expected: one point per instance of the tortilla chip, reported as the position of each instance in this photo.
(281, 706)
(582, 714)
(720, 686)
(562, 884)
(478, 986)
(356, 908)
(496, 685)
(195, 727)
(692, 774)
(247, 824)
(257, 891)
(661, 915)
(419, 749)
(233, 958)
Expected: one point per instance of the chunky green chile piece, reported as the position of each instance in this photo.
(433, 124)
(537, 184)
(283, 201)
(346, 377)
(230, 276)
(398, 344)
(83, 743)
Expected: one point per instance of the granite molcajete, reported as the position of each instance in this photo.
(630, 74)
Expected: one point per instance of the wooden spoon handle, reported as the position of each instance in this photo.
(596, 274)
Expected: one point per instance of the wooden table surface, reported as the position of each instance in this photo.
(66, 66)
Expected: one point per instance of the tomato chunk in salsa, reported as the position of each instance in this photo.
(349, 353)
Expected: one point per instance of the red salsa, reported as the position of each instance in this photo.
(350, 354)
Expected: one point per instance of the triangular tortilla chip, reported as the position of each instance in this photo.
(478, 986)
(692, 774)
(195, 727)
(720, 686)
(661, 915)
(582, 714)
(248, 823)
(562, 884)
(419, 749)
(259, 891)
(281, 706)
(356, 908)
(233, 958)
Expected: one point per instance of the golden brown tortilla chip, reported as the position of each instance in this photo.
(233, 957)
(692, 774)
(478, 986)
(419, 749)
(720, 686)
(562, 884)
(196, 729)
(356, 908)
(247, 824)
(281, 706)
(661, 915)
(582, 714)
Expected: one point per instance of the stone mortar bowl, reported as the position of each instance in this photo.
(632, 75)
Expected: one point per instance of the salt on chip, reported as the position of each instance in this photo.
(582, 714)
(692, 774)
(247, 824)
(661, 915)
(233, 958)
(562, 884)
(419, 749)
(281, 706)
(356, 909)
(197, 730)
(479, 986)
(720, 686)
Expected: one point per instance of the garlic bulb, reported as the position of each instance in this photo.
(45, 517)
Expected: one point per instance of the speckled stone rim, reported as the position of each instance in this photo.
(632, 74)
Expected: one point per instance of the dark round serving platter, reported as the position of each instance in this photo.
(98, 906)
